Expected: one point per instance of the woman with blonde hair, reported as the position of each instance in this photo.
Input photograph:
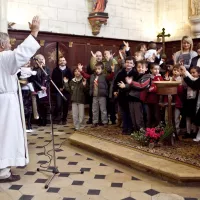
(186, 53)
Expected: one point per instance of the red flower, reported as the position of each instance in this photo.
(154, 133)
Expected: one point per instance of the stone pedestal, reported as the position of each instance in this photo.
(96, 19)
(195, 25)
(3, 16)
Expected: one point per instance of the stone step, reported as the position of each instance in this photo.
(172, 171)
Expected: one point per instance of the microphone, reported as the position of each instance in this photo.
(37, 61)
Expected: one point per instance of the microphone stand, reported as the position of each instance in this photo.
(54, 169)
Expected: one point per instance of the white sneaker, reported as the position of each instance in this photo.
(196, 140)
(29, 131)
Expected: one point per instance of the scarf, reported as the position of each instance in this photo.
(62, 67)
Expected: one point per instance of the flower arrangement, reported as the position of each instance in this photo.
(153, 135)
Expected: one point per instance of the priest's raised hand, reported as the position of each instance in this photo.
(35, 26)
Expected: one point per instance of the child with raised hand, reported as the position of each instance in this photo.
(152, 53)
(99, 92)
(78, 88)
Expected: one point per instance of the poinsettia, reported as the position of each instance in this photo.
(153, 134)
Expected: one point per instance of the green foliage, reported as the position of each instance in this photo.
(168, 131)
(140, 137)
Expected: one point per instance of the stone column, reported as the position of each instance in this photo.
(3, 16)
(194, 17)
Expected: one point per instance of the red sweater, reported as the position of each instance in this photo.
(152, 97)
(178, 98)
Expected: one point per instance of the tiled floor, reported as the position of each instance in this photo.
(102, 179)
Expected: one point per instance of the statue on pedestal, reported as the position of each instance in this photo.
(98, 17)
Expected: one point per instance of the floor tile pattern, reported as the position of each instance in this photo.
(100, 181)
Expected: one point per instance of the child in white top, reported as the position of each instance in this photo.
(152, 52)
(26, 73)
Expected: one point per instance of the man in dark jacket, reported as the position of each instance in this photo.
(62, 106)
(40, 84)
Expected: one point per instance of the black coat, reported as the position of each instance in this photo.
(40, 79)
(122, 93)
(195, 85)
(139, 86)
(194, 61)
(58, 75)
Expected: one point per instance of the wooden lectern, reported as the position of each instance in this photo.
(168, 88)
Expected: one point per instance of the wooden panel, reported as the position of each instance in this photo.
(82, 46)
(50, 53)
(80, 50)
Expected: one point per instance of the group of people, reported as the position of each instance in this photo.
(117, 89)
(121, 89)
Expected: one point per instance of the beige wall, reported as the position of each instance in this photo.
(173, 15)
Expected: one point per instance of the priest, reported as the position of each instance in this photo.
(13, 140)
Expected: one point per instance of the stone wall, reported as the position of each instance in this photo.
(129, 19)
(3, 15)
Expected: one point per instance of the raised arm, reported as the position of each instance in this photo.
(195, 85)
(84, 74)
(13, 60)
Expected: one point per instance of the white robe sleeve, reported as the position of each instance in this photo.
(13, 60)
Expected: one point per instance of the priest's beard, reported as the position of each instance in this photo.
(7, 49)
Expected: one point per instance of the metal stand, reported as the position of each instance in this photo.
(54, 170)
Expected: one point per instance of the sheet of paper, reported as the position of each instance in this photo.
(42, 94)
